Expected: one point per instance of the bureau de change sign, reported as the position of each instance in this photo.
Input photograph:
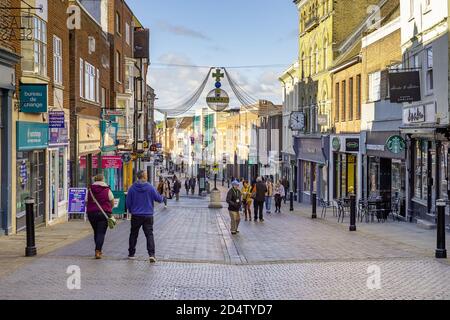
(33, 98)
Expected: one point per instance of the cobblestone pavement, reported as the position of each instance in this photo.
(286, 257)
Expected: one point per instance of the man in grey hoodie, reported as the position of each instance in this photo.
(140, 199)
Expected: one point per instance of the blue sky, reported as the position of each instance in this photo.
(218, 33)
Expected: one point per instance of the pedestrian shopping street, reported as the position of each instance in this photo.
(288, 256)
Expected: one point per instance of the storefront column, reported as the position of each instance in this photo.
(410, 142)
(6, 161)
(299, 181)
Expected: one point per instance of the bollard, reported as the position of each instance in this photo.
(30, 250)
(441, 252)
(314, 206)
(291, 201)
(352, 213)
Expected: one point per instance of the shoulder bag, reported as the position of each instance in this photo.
(111, 220)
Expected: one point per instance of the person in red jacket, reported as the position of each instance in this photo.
(104, 196)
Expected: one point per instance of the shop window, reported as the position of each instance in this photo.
(421, 170)
(374, 176)
(307, 177)
(429, 59)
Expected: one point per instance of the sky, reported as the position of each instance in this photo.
(229, 33)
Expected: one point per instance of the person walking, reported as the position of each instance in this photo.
(269, 195)
(278, 193)
(259, 197)
(192, 185)
(177, 188)
(105, 198)
(167, 190)
(247, 200)
(186, 186)
(160, 190)
(234, 200)
(285, 183)
(140, 199)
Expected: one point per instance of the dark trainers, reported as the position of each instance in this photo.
(152, 259)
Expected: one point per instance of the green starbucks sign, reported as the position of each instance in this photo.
(396, 144)
(336, 144)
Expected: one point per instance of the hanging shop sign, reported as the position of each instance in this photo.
(56, 119)
(31, 136)
(352, 145)
(77, 200)
(404, 86)
(126, 157)
(58, 137)
(111, 162)
(218, 100)
(94, 162)
(336, 144)
(33, 98)
(396, 144)
(414, 114)
(89, 135)
(142, 43)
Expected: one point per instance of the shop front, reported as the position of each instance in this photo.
(346, 169)
(312, 176)
(58, 151)
(88, 151)
(8, 60)
(111, 160)
(385, 158)
(32, 142)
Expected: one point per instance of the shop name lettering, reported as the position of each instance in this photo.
(415, 115)
(34, 136)
(13, 30)
(32, 100)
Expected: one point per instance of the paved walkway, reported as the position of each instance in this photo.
(289, 256)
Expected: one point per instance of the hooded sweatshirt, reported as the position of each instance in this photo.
(140, 198)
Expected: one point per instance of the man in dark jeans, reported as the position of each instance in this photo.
(260, 196)
(140, 199)
(285, 184)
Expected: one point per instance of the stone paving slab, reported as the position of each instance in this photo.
(111, 279)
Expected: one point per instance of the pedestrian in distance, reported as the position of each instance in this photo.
(140, 200)
(247, 200)
(278, 194)
(192, 184)
(177, 188)
(186, 186)
(160, 190)
(105, 199)
(167, 190)
(269, 195)
(259, 197)
(234, 200)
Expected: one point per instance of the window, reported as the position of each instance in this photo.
(414, 61)
(127, 33)
(129, 82)
(421, 170)
(57, 60)
(81, 78)
(118, 66)
(350, 99)
(118, 24)
(344, 101)
(310, 62)
(97, 87)
(91, 76)
(40, 46)
(337, 102)
(303, 65)
(411, 8)
(430, 84)
(358, 97)
(325, 54)
(374, 86)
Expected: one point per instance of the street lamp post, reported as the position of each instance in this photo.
(214, 136)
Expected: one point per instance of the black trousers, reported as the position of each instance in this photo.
(146, 222)
(100, 226)
(259, 207)
(278, 199)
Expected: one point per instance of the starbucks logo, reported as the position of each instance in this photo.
(336, 144)
(396, 144)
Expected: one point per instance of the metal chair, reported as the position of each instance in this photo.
(363, 210)
(341, 210)
(325, 205)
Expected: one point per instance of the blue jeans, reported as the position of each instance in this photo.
(268, 203)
